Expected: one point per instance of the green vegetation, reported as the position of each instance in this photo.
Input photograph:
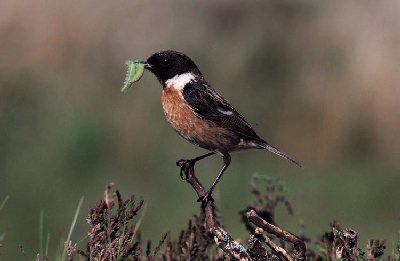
(114, 233)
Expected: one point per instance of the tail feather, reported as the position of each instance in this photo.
(276, 151)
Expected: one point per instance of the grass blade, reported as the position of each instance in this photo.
(46, 251)
(4, 202)
(137, 225)
(41, 221)
(72, 226)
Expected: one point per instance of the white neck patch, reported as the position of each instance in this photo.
(179, 81)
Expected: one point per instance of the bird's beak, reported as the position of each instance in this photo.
(146, 64)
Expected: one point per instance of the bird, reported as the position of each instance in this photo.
(200, 115)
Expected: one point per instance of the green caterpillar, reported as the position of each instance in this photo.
(133, 74)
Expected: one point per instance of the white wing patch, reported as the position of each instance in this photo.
(224, 111)
(179, 81)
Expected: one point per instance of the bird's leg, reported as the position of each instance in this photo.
(185, 165)
(207, 197)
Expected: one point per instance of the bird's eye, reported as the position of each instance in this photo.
(164, 62)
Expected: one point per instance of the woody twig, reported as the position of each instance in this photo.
(222, 238)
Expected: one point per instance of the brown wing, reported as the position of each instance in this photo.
(207, 104)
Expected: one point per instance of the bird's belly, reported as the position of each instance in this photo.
(194, 129)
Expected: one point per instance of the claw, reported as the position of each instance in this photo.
(180, 162)
(182, 174)
(205, 199)
(185, 166)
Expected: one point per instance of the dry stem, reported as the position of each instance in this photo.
(224, 241)
(299, 250)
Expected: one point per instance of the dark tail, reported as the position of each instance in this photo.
(264, 145)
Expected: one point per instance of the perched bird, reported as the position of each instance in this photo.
(200, 115)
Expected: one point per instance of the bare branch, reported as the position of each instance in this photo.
(224, 241)
(299, 249)
(229, 245)
(260, 236)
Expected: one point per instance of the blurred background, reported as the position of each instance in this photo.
(320, 80)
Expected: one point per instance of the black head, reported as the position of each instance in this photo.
(167, 64)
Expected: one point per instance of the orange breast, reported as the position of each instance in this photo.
(196, 130)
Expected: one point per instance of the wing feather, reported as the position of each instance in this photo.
(207, 104)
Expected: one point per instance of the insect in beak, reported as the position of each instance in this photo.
(146, 65)
(134, 73)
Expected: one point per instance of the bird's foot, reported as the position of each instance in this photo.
(185, 166)
(205, 199)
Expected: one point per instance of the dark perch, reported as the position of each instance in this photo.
(299, 249)
(233, 248)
